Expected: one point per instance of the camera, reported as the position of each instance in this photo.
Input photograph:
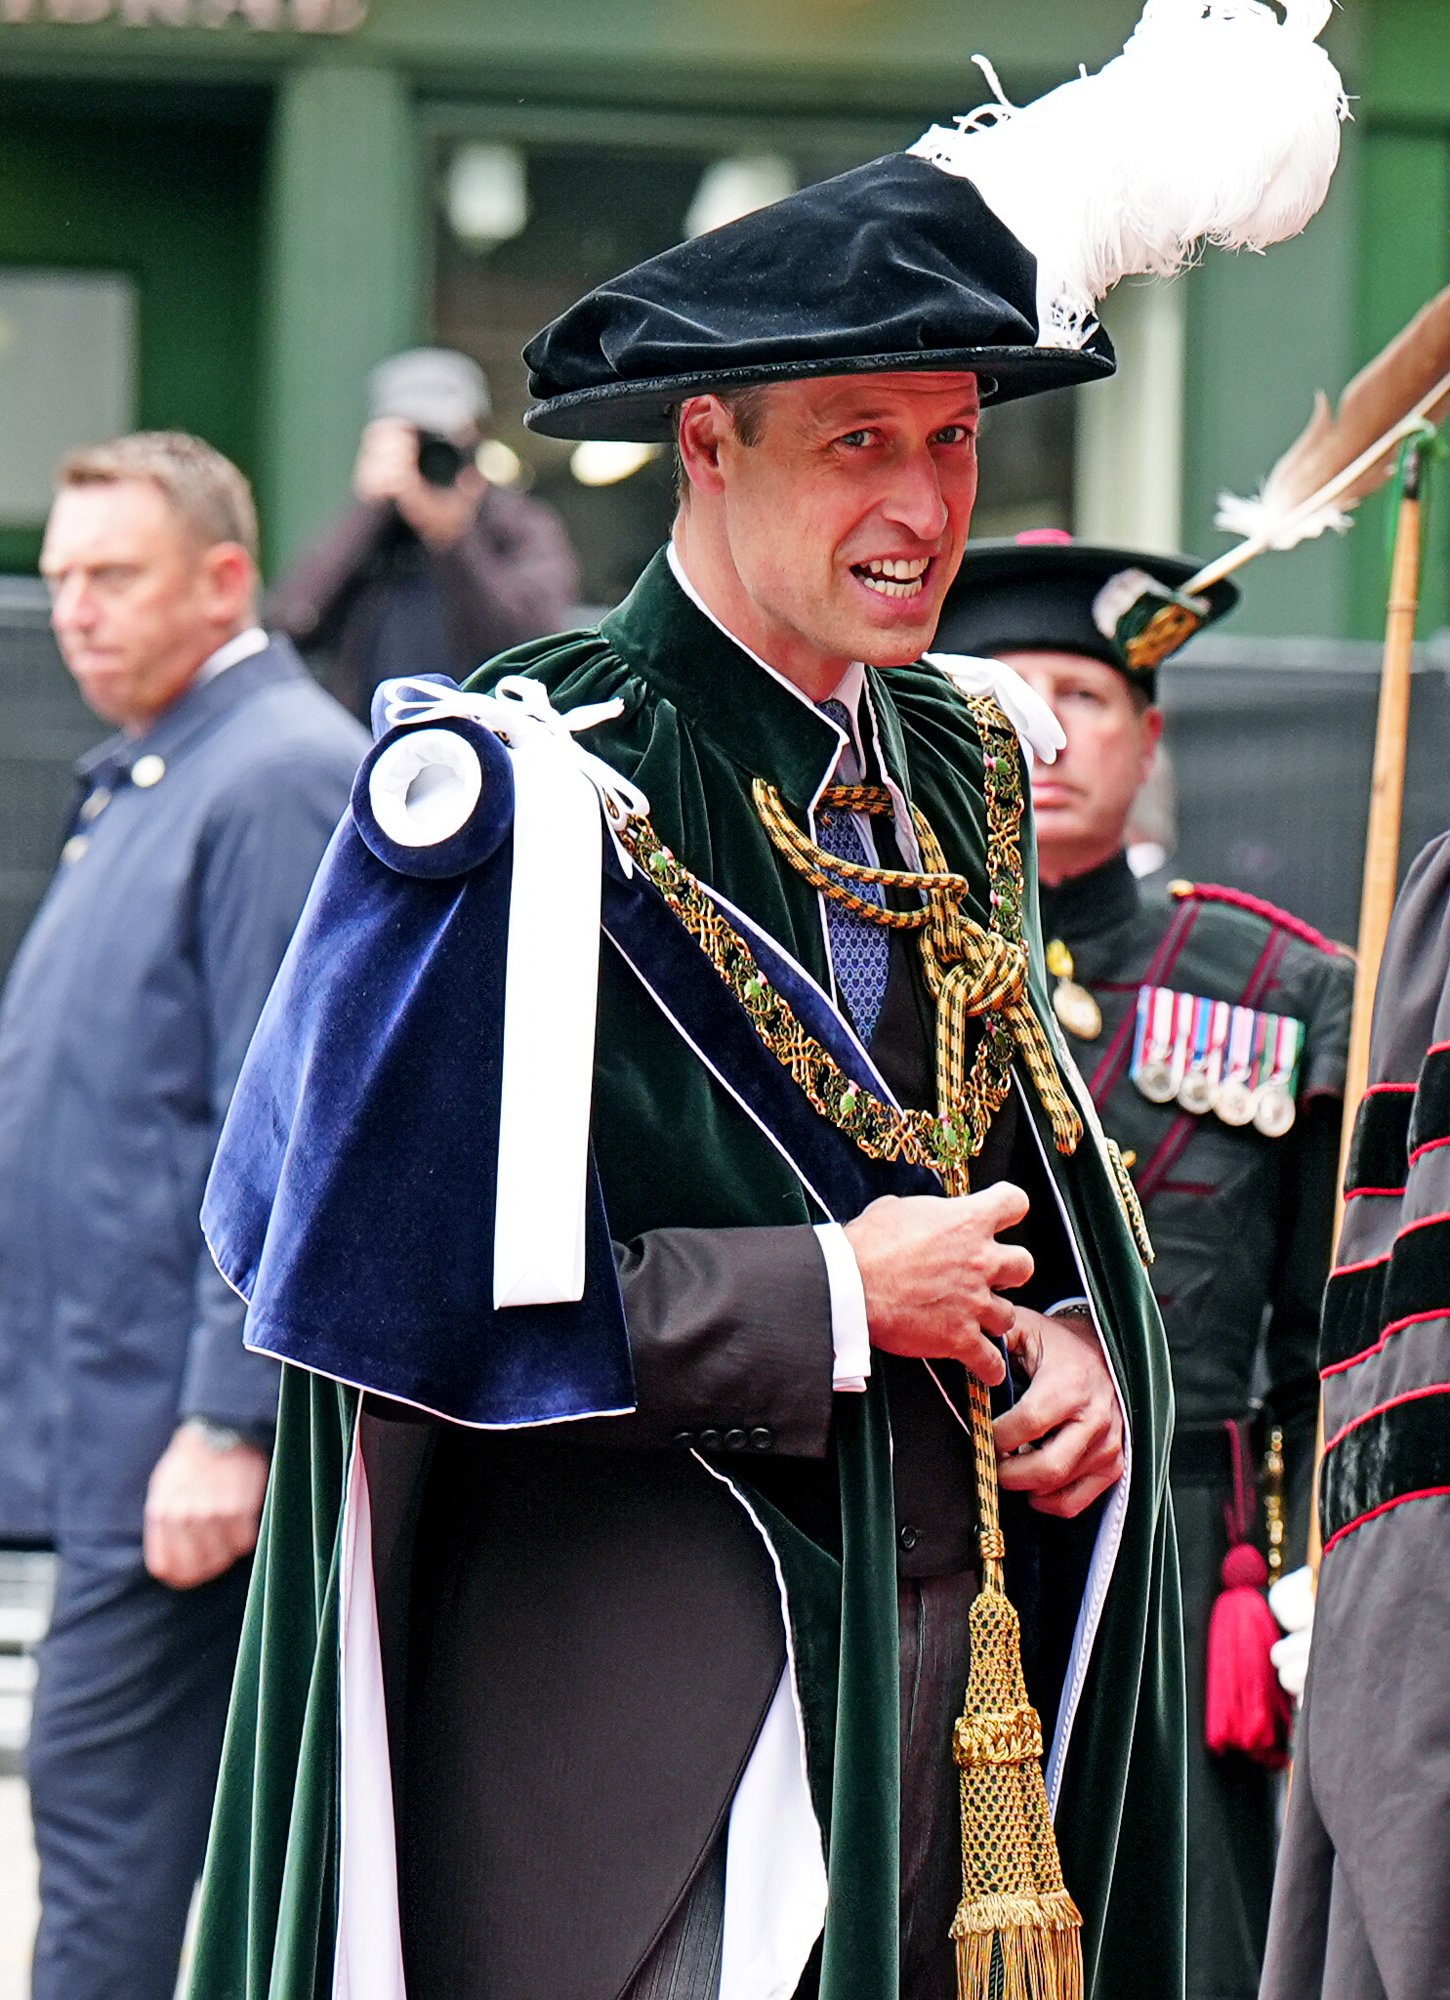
(440, 460)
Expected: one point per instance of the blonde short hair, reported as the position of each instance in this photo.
(205, 490)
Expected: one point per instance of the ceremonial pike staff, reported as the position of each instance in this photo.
(1385, 419)
(1383, 427)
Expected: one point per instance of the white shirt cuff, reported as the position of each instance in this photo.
(1081, 1304)
(850, 1335)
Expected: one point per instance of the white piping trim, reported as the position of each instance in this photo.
(1110, 1529)
(771, 1925)
(368, 1954)
(230, 1283)
(443, 1416)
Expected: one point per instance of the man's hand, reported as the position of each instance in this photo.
(387, 469)
(203, 1508)
(1070, 1406)
(932, 1269)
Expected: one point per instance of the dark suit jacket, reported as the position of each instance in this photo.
(123, 1025)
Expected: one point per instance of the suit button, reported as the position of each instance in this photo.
(685, 1440)
(908, 1538)
(709, 1440)
(735, 1440)
(761, 1439)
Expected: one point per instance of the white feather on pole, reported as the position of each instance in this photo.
(1218, 123)
(1344, 454)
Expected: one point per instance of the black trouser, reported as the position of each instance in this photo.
(935, 1655)
(126, 1737)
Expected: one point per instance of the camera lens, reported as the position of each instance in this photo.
(440, 460)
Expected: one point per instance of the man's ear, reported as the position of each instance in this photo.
(231, 578)
(705, 423)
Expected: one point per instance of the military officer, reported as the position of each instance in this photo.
(1211, 1029)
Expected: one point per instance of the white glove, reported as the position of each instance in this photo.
(1291, 1600)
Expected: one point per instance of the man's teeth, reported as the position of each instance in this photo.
(894, 576)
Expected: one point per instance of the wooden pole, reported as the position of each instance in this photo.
(1382, 846)
(1387, 791)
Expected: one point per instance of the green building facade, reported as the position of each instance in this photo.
(264, 185)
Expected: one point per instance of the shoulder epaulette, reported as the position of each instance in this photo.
(1239, 899)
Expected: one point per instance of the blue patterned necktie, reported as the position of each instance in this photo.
(860, 950)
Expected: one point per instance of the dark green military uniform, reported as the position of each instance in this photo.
(1242, 1227)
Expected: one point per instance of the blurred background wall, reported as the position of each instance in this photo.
(218, 214)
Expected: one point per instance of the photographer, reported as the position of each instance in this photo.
(433, 570)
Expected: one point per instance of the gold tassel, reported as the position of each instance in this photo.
(1015, 1911)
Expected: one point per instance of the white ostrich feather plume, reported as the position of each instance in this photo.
(1218, 123)
(1344, 454)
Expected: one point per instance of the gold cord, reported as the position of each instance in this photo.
(972, 972)
(1017, 1930)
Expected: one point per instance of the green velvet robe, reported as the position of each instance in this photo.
(700, 721)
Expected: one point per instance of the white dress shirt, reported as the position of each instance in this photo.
(242, 647)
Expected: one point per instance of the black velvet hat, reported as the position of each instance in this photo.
(894, 266)
(1047, 593)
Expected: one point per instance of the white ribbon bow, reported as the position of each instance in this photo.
(516, 711)
(552, 970)
(1038, 729)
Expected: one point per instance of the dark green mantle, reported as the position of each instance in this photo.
(700, 721)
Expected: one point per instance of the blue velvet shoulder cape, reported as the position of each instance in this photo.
(351, 1200)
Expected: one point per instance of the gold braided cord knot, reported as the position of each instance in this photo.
(973, 972)
(832, 875)
(998, 1739)
(993, 975)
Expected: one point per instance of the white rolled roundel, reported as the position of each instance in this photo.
(424, 787)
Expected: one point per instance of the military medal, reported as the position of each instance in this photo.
(1274, 1111)
(1264, 1025)
(1073, 1005)
(1184, 1005)
(1154, 1045)
(1234, 1103)
(1199, 1087)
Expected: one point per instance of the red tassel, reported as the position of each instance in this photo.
(1247, 1710)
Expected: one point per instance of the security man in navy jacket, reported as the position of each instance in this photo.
(134, 1429)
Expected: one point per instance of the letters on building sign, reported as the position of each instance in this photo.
(308, 17)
